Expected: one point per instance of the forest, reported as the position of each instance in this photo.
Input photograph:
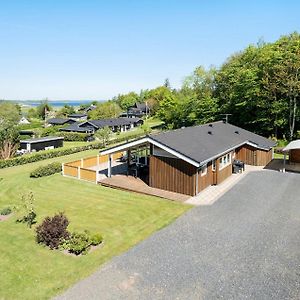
(258, 87)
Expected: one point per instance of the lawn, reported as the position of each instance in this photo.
(31, 271)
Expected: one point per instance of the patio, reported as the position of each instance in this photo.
(137, 185)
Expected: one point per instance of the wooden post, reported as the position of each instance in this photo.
(63, 169)
(109, 166)
(197, 177)
(81, 163)
(78, 173)
(284, 161)
(98, 160)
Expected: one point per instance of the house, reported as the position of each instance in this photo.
(293, 150)
(138, 110)
(44, 143)
(24, 120)
(90, 108)
(190, 159)
(78, 117)
(59, 121)
(115, 124)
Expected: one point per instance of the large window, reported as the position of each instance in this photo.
(224, 161)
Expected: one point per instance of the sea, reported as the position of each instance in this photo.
(56, 103)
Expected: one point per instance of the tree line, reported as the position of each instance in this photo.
(258, 87)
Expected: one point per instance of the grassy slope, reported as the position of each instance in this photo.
(31, 271)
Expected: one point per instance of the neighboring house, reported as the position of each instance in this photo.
(188, 160)
(59, 121)
(90, 108)
(138, 110)
(293, 150)
(23, 120)
(44, 143)
(115, 124)
(78, 117)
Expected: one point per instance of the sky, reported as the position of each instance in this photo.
(88, 49)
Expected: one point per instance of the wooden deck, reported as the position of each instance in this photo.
(132, 184)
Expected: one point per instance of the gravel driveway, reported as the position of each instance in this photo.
(244, 246)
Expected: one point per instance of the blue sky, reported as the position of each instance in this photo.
(86, 49)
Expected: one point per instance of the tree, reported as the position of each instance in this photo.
(108, 109)
(9, 135)
(103, 134)
(66, 110)
(9, 113)
(127, 100)
(26, 210)
(43, 108)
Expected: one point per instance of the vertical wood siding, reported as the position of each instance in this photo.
(224, 173)
(253, 156)
(172, 174)
(294, 156)
(206, 180)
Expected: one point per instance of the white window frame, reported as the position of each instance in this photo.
(225, 161)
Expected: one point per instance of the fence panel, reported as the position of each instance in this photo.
(87, 174)
(90, 162)
(70, 171)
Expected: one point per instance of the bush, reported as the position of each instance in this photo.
(53, 231)
(80, 242)
(96, 239)
(6, 211)
(47, 170)
(75, 136)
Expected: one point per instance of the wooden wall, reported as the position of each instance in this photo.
(206, 180)
(252, 156)
(172, 174)
(294, 156)
(221, 175)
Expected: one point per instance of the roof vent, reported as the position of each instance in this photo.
(237, 132)
(210, 125)
(210, 132)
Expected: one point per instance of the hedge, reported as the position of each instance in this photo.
(47, 154)
(47, 170)
(74, 136)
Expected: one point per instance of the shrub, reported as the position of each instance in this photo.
(6, 211)
(75, 136)
(96, 239)
(78, 243)
(53, 231)
(47, 170)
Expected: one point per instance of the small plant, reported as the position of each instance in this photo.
(47, 170)
(80, 242)
(96, 239)
(6, 211)
(26, 210)
(53, 231)
(77, 243)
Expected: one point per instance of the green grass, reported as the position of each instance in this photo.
(31, 271)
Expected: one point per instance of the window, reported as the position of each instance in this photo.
(225, 161)
(204, 170)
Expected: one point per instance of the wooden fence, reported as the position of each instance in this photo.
(81, 168)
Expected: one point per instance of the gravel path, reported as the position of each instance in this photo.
(244, 246)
